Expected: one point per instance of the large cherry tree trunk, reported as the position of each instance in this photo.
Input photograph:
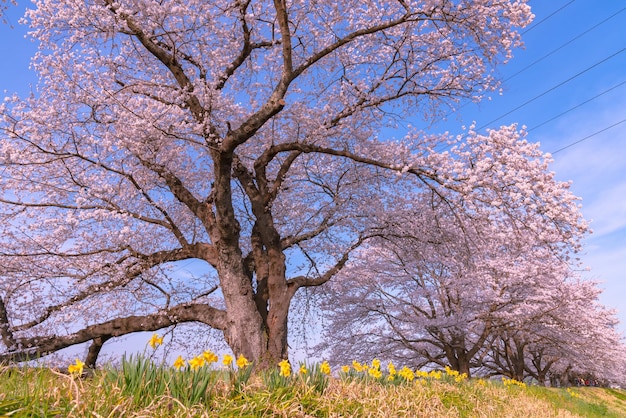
(256, 290)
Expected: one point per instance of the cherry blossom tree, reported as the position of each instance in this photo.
(482, 296)
(250, 137)
(449, 274)
(574, 336)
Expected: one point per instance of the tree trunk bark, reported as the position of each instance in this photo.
(464, 366)
(262, 342)
(5, 328)
(245, 332)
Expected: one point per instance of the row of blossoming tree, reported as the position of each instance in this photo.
(484, 295)
(251, 137)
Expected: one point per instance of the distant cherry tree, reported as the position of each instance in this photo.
(250, 137)
(575, 336)
(454, 270)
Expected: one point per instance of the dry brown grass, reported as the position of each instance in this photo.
(49, 393)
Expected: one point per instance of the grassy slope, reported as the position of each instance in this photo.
(40, 392)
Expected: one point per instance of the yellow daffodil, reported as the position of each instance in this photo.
(76, 368)
(242, 361)
(345, 369)
(196, 362)
(155, 341)
(512, 382)
(435, 374)
(285, 368)
(179, 363)
(572, 393)
(227, 360)
(303, 369)
(210, 357)
(375, 373)
(376, 364)
(451, 372)
(357, 366)
(325, 368)
(460, 377)
(407, 374)
(391, 368)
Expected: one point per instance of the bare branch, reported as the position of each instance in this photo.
(246, 48)
(303, 281)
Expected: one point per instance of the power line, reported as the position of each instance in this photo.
(547, 17)
(580, 35)
(565, 44)
(552, 88)
(577, 106)
(589, 136)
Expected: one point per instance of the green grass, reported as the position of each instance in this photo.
(140, 388)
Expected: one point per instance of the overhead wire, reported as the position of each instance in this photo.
(553, 88)
(533, 26)
(589, 136)
(577, 106)
(526, 68)
(580, 35)
(564, 82)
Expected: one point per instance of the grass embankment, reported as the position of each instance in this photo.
(143, 389)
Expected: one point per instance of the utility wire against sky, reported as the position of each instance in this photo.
(589, 136)
(526, 68)
(577, 106)
(534, 25)
(552, 88)
(580, 35)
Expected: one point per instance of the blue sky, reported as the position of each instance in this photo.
(574, 58)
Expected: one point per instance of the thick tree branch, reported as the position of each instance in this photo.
(285, 33)
(200, 251)
(246, 48)
(199, 208)
(167, 58)
(29, 348)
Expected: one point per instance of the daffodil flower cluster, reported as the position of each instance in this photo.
(573, 394)
(512, 382)
(207, 358)
(458, 377)
(405, 373)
